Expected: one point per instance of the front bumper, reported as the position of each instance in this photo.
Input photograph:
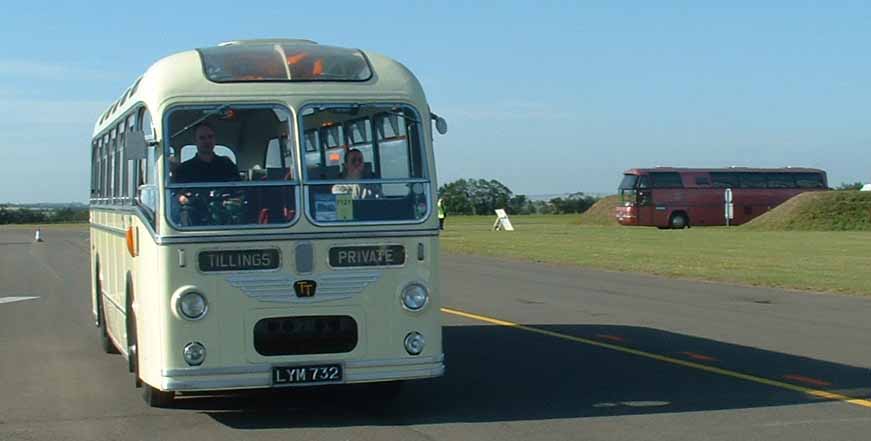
(257, 376)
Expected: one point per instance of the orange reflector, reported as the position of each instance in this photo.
(318, 68)
(334, 156)
(131, 242)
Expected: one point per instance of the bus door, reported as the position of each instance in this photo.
(644, 201)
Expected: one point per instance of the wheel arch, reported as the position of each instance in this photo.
(679, 212)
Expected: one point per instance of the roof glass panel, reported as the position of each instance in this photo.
(283, 62)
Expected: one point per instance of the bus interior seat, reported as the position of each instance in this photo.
(324, 172)
(367, 171)
(277, 173)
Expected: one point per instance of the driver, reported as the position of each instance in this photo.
(206, 166)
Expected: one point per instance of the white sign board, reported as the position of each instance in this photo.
(729, 208)
(502, 222)
(866, 187)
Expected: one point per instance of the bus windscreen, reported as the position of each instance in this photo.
(628, 182)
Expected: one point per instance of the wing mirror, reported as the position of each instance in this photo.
(440, 123)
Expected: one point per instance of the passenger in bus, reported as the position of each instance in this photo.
(354, 170)
(206, 166)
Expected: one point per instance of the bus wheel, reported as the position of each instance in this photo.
(678, 221)
(105, 341)
(153, 397)
(157, 398)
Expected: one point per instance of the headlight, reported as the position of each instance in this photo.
(192, 306)
(414, 297)
(194, 353)
(414, 343)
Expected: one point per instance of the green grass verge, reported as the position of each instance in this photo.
(805, 260)
(819, 211)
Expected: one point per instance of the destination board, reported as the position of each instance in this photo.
(239, 260)
(378, 255)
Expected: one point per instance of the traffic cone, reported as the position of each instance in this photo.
(38, 237)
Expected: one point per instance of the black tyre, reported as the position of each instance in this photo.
(105, 341)
(679, 221)
(157, 398)
(153, 397)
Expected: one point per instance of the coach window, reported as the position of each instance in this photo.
(724, 180)
(703, 181)
(644, 181)
(780, 180)
(752, 180)
(106, 193)
(99, 184)
(119, 154)
(132, 174)
(123, 162)
(666, 180)
(809, 180)
(110, 147)
(249, 187)
(385, 182)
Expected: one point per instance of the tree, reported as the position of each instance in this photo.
(457, 197)
(520, 204)
(848, 186)
(474, 196)
(573, 203)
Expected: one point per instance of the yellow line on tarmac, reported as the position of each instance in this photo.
(711, 369)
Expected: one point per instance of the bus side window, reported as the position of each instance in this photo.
(809, 180)
(644, 181)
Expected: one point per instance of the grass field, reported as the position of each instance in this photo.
(805, 260)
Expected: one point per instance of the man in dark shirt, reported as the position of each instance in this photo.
(206, 166)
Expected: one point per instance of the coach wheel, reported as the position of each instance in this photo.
(105, 342)
(153, 397)
(678, 221)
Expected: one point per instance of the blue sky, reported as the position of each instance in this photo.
(546, 97)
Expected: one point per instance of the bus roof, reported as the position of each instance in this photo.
(640, 171)
(182, 75)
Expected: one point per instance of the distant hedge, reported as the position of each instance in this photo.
(10, 215)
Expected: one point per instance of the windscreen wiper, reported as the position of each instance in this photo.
(205, 116)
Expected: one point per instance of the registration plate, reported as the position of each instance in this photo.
(287, 375)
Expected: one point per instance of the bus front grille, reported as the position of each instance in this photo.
(328, 334)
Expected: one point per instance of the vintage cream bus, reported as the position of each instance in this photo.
(262, 215)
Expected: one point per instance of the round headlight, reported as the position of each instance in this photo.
(414, 297)
(192, 306)
(414, 343)
(194, 353)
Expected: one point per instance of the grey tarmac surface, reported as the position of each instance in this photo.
(682, 361)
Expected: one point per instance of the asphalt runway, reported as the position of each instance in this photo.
(534, 352)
